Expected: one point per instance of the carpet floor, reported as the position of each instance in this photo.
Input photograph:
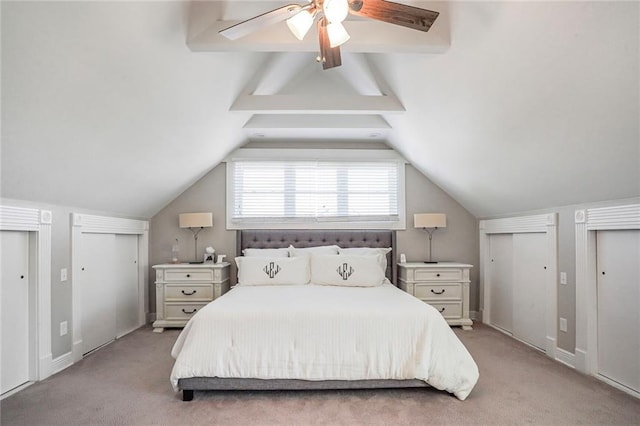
(127, 383)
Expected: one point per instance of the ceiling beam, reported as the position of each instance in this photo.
(330, 104)
(324, 121)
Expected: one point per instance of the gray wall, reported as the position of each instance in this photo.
(61, 302)
(457, 242)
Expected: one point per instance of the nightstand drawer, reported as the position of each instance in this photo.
(185, 275)
(181, 311)
(443, 285)
(438, 275)
(183, 289)
(438, 291)
(188, 293)
(448, 309)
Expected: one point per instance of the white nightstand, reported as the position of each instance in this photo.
(443, 285)
(182, 289)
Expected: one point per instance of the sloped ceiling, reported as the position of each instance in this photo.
(518, 106)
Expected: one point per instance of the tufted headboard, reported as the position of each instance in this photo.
(279, 238)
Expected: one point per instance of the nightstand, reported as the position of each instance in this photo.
(182, 289)
(443, 285)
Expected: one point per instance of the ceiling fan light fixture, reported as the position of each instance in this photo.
(335, 10)
(300, 23)
(337, 34)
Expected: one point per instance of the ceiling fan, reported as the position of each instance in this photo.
(331, 14)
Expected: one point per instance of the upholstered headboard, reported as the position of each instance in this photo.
(278, 238)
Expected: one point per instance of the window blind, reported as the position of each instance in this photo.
(315, 191)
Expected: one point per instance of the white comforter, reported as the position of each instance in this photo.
(313, 332)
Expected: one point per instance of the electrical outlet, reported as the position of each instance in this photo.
(563, 277)
(63, 274)
(63, 328)
(563, 324)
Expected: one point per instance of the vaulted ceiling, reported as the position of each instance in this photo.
(508, 106)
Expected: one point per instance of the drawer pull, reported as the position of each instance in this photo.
(194, 311)
(188, 275)
(442, 310)
(188, 294)
(437, 292)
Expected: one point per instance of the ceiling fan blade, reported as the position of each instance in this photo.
(329, 56)
(256, 23)
(394, 13)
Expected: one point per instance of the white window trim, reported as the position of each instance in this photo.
(346, 155)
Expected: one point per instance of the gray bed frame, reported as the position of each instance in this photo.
(304, 238)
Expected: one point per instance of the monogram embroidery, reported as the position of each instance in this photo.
(271, 269)
(345, 271)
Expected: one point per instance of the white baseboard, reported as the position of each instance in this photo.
(618, 386)
(77, 350)
(62, 362)
(15, 390)
(581, 361)
(565, 357)
(44, 367)
(551, 347)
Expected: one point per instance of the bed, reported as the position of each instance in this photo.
(263, 337)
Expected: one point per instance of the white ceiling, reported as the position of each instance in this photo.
(526, 106)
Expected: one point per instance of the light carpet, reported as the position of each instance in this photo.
(127, 383)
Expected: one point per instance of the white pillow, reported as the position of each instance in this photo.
(273, 270)
(344, 270)
(308, 251)
(269, 252)
(364, 251)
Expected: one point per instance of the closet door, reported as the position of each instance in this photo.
(501, 280)
(98, 297)
(529, 311)
(14, 339)
(618, 272)
(125, 281)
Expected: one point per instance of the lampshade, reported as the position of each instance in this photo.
(430, 220)
(335, 11)
(337, 34)
(300, 23)
(195, 220)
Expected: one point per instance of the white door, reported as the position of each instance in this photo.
(125, 281)
(530, 272)
(98, 297)
(618, 269)
(14, 309)
(501, 280)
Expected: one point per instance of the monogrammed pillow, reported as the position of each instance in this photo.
(308, 251)
(346, 270)
(269, 252)
(272, 270)
(367, 251)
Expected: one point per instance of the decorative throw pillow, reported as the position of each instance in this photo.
(344, 270)
(268, 252)
(364, 251)
(308, 251)
(273, 270)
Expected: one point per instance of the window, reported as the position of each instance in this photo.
(316, 193)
